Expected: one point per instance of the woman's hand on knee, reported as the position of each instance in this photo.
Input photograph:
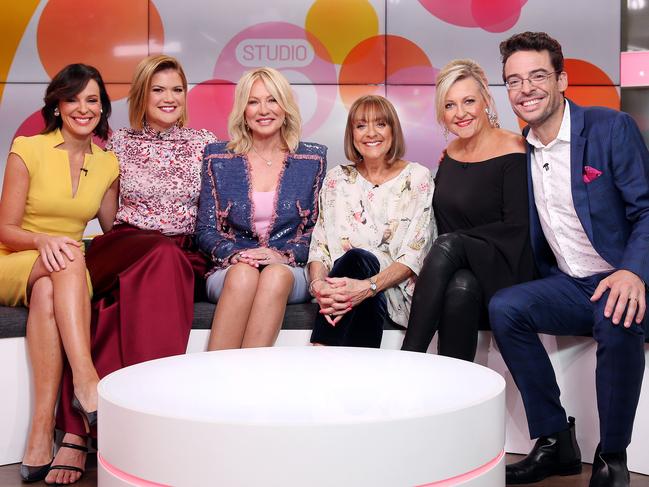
(263, 256)
(331, 308)
(55, 252)
(240, 258)
(348, 290)
(338, 295)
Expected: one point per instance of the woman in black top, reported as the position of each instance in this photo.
(481, 208)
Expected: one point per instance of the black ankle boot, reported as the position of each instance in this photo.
(552, 455)
(609, 470)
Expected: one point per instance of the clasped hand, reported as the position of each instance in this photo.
(55, 250)
(338, 295)
(258, 256)
(627, 293)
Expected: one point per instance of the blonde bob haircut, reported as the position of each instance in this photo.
(374, 107)
(457, 70)
(280, 89)
(141, 85)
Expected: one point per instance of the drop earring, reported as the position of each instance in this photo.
(446, 134)
(56, 112)
(493, 118)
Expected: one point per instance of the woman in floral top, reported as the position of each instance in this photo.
(374, 229)
(145, 271)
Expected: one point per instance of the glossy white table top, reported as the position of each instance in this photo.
(302, 385)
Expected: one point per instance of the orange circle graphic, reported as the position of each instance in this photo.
(112, 36)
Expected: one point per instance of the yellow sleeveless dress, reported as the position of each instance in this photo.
(50, 207)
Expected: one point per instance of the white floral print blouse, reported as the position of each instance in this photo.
(393, 221)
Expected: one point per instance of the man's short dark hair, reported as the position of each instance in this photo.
(532, 41)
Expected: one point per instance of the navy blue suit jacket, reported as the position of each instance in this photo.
(612, 208)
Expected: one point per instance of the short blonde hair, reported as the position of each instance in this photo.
(139, 92)
(378, 108)
(457, 70)
(279, 87)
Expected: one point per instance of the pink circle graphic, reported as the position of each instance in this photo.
(424, 136)
(209, 104)
(32, 125)
(489, 15)
(287, 48)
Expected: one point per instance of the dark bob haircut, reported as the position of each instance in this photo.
(67, 83)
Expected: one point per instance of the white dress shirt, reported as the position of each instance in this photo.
(553, 198)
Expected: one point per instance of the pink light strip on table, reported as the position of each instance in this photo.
(634, 68)
(127, 477)
(467, 476)
(116, 472)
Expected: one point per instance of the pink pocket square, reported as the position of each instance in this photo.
(591, 174)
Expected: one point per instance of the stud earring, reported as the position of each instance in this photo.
(101, 110)
(56, 112)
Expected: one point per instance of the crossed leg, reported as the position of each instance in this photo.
(59, 320)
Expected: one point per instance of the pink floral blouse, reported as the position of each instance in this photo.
(160, 177)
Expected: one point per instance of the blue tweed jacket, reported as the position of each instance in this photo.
(225, 213)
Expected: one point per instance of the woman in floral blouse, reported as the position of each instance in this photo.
(374, 229)
(145, 271)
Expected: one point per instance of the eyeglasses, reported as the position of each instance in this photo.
(516, 83)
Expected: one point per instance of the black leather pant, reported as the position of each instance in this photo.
(447, 298)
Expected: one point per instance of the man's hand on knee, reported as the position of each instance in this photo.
(627, 293)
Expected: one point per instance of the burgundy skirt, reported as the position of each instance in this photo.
(144, 285)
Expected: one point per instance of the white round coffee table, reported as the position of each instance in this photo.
(307, 416)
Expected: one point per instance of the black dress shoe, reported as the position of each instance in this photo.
(609, 470)
(552, 455)
(34, 473)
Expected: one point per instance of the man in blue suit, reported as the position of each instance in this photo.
(588, 179)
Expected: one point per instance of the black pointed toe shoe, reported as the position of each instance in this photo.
(34, 473)
(557, 454)
(609, 470)
(89, 418)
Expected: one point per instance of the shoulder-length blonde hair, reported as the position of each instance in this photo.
(279, 87)
(374, 107)
(141, 85)
(457, 70)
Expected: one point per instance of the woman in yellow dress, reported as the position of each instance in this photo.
(54, 184)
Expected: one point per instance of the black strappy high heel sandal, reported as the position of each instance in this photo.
(69, 467)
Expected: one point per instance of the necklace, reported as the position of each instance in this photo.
(269, 162)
